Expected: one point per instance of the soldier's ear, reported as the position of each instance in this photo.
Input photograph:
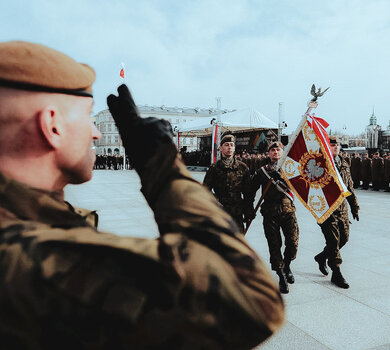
(48, 121)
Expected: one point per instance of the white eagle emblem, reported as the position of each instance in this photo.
(313, 170)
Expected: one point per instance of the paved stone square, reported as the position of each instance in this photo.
(318, 314)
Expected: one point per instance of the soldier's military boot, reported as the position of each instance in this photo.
(338, 279)
(321, 260)
(287, 271)
(283, 285)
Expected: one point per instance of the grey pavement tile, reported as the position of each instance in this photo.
(377, 244)
(353, 251)
(381, 347)
(378, 264)
(292, 338)
(341, 323)
(358, 279)
(305, 291)
(378, 299)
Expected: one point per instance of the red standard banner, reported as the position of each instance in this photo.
(308, 168)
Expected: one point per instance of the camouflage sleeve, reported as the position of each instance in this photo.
(208, 180)
(226, 266)
(247, 192)
(256, 182)
(200, 285)
(352, 199)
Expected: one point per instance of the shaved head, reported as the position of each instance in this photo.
(19, 129)
(49, 130)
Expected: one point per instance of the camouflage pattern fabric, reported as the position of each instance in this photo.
(278, 214)
(232, 188)
(336, 228)
(65, 285)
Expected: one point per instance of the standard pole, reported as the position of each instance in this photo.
(296, 133)
(259, 203)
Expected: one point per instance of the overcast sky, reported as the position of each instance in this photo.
(250, 53)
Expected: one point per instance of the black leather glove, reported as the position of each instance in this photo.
(355, 215)
(141, 137)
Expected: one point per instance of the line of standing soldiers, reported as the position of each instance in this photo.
(374, 170)
(108, 162)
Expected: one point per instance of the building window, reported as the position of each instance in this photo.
(109, 127)
(116, 138)
(109, 139)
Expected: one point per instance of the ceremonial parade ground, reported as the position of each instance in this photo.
(319, 315)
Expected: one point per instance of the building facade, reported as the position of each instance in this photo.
(373, 131)
(110, 142)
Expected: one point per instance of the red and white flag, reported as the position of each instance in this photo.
(122, 72)
(309, 169)
(214, 144)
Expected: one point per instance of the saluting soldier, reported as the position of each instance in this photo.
(230, 181)
(336, 228)
(66, 285)
(366, 171)
(356, 164)
(278, 212)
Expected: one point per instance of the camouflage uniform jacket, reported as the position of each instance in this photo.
(231, 185)
(65, 285)
(345, 173)
(275, 202)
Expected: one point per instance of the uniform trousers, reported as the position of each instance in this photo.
(336, 232)
(287, 222)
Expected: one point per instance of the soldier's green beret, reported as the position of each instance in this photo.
(227, 138)
(275, 144)
(36, 67)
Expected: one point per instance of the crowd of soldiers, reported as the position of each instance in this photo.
(366, 170)
(197, 158)
(202, 158)
(111, 162)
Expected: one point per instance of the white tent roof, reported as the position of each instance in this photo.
(245, 118)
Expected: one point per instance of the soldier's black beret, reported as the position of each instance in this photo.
(334, 140)
(275, 144)
(227, 138)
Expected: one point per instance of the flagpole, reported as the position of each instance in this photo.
(122, 75)
(312, 105)
(259, 203)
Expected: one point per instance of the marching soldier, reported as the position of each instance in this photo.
(278, 212)
(64, 284)
(229, 178)
(336, 228)
(366, 171)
